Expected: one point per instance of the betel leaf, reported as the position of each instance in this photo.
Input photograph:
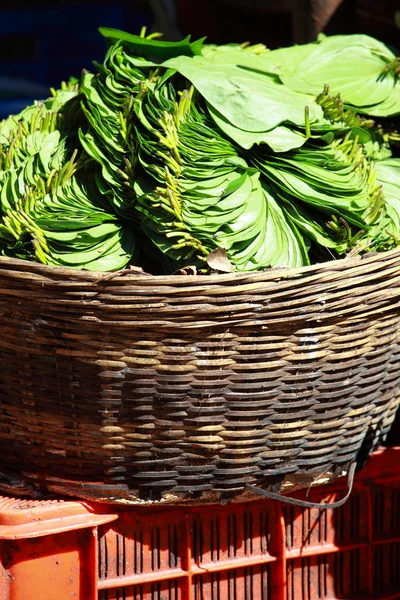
(249, 100)
(354, 72)
(176, 154)
(280, 139)
(389, 107)
(153, 48)
(362, 70)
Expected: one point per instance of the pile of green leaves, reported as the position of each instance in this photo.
(51, 208)
(172, 153)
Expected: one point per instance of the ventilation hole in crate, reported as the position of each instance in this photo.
(103, 557)
(308, 578)
(347, 521)
(323, 577)
(386, 568)
(120, 561)
(305, 527)
(395, 513)
(248, 532)
(288, 513)
(386, 512)
(378, 568)
(394, 565)
(155, 549)
(354, 508)
(168, 590)
(355, 572)
(378, 512)
(138, 551)
(232, 536)
(209, 539)
(235, 584)
(215, 539)
(289, 581)
(200, 540)
(164, 591)
(264, 533)
(338, 570)
(350, 574)
(172, 547)
(196, 556)
(338, 523)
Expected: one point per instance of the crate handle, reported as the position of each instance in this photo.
(305, 503)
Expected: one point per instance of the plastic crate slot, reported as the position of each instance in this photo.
(155, 549)
(288, 514)
(306, 528)
(290, 580)
(197, 541)
(378, 568)
(232, 533)
(395, 510)
(264, 533)
(354, 509)
(394, 550)
(215, 540)
(249, 583)
(120, 554)
(306, 578)
(248, 533)
(350, 522)
(134, 554)
(386, 512)
(339, 561)
(103, 557)
(173, 553)
(378, 512)
(326, 577)
(138, 551)
(355, 571)
(168, 590)
(387, 569)
(323, 577)
(351, 579)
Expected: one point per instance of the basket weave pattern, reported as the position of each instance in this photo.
(140, 387)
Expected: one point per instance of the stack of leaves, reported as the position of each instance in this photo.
(174, 151)
(51, 208)
(359, 68)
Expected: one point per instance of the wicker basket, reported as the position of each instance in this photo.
(136, 388)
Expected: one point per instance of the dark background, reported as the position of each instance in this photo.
(43, 43)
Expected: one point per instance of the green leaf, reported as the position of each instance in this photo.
(153, 48)
(248, 100)
(279, 139)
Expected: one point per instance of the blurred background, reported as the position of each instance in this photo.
(41, 45)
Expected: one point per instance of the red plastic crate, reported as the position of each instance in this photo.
(260, 550)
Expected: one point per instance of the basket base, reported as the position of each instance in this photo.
(29, 485)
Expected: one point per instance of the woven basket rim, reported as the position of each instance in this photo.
(127, 275)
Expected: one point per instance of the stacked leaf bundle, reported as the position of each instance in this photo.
(172, 153)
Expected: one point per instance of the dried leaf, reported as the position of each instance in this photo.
(218, 261)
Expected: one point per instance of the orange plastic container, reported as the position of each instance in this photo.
(260, 550)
